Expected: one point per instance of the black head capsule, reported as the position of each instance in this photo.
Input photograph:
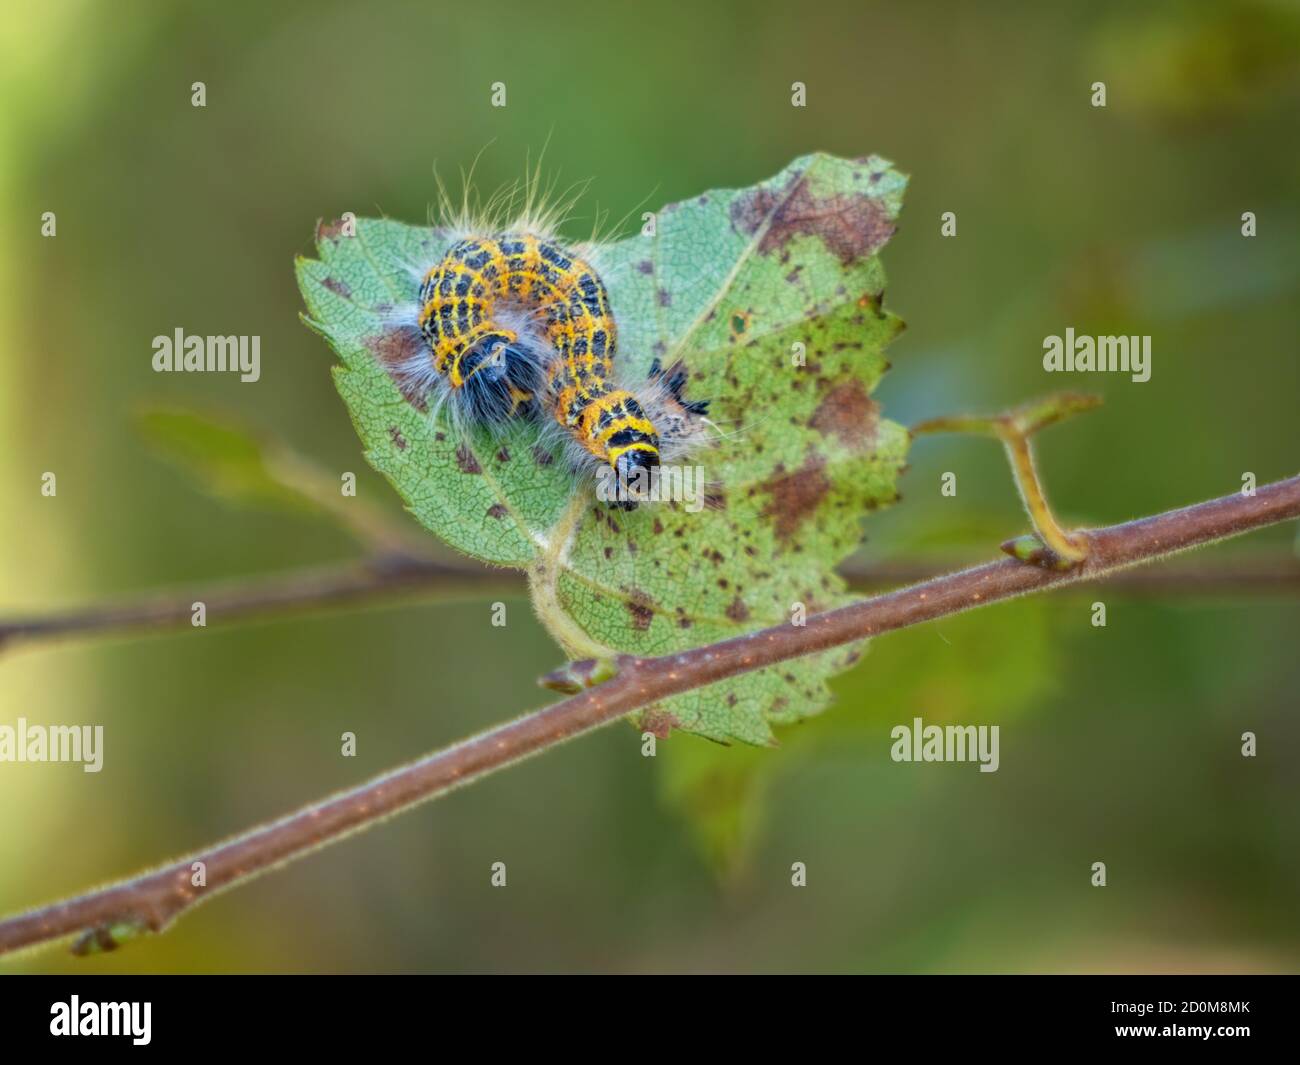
(634, 475)
(500, 375)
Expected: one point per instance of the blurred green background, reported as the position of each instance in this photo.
(1118, 744)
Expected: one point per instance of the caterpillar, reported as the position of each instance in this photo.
(518, 325)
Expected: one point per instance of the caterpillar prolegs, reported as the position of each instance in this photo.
(517, 325)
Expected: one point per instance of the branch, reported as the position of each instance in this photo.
(149, 903)
(385, 575)
(396, 576)
(1275, 573)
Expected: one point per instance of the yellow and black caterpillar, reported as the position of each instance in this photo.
(518, 325)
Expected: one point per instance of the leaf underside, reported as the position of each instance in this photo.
(729, 284)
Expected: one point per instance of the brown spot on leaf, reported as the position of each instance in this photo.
(496, 510)
(397, 437)
(737, 610)
(849, 413)
(503, 455)
(646, 266)
(659, 723)
(875, 303)
(329, 230)
(665, 298)
(466, 460)
(641, 610)
(339, 288)
(852, 225)
(541, 456)
(796, 495)
(394, 350)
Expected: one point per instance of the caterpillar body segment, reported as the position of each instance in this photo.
(517, 325)
(478, 311)
(631, 431)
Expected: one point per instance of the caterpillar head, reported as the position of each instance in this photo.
(488, 359)
(496, 378)
(633, 469)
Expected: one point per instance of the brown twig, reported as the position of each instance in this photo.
(1271, 574)
(152, 901)
(340, 585)
(380, 579)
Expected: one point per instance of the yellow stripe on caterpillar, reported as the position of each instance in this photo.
(641, 425)
(480, 278)
(517, 325)
(640, 445)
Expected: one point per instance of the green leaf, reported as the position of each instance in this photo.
(227, 459)
(989, 668)
(730, 283)
(253, 468)
(721, 793)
